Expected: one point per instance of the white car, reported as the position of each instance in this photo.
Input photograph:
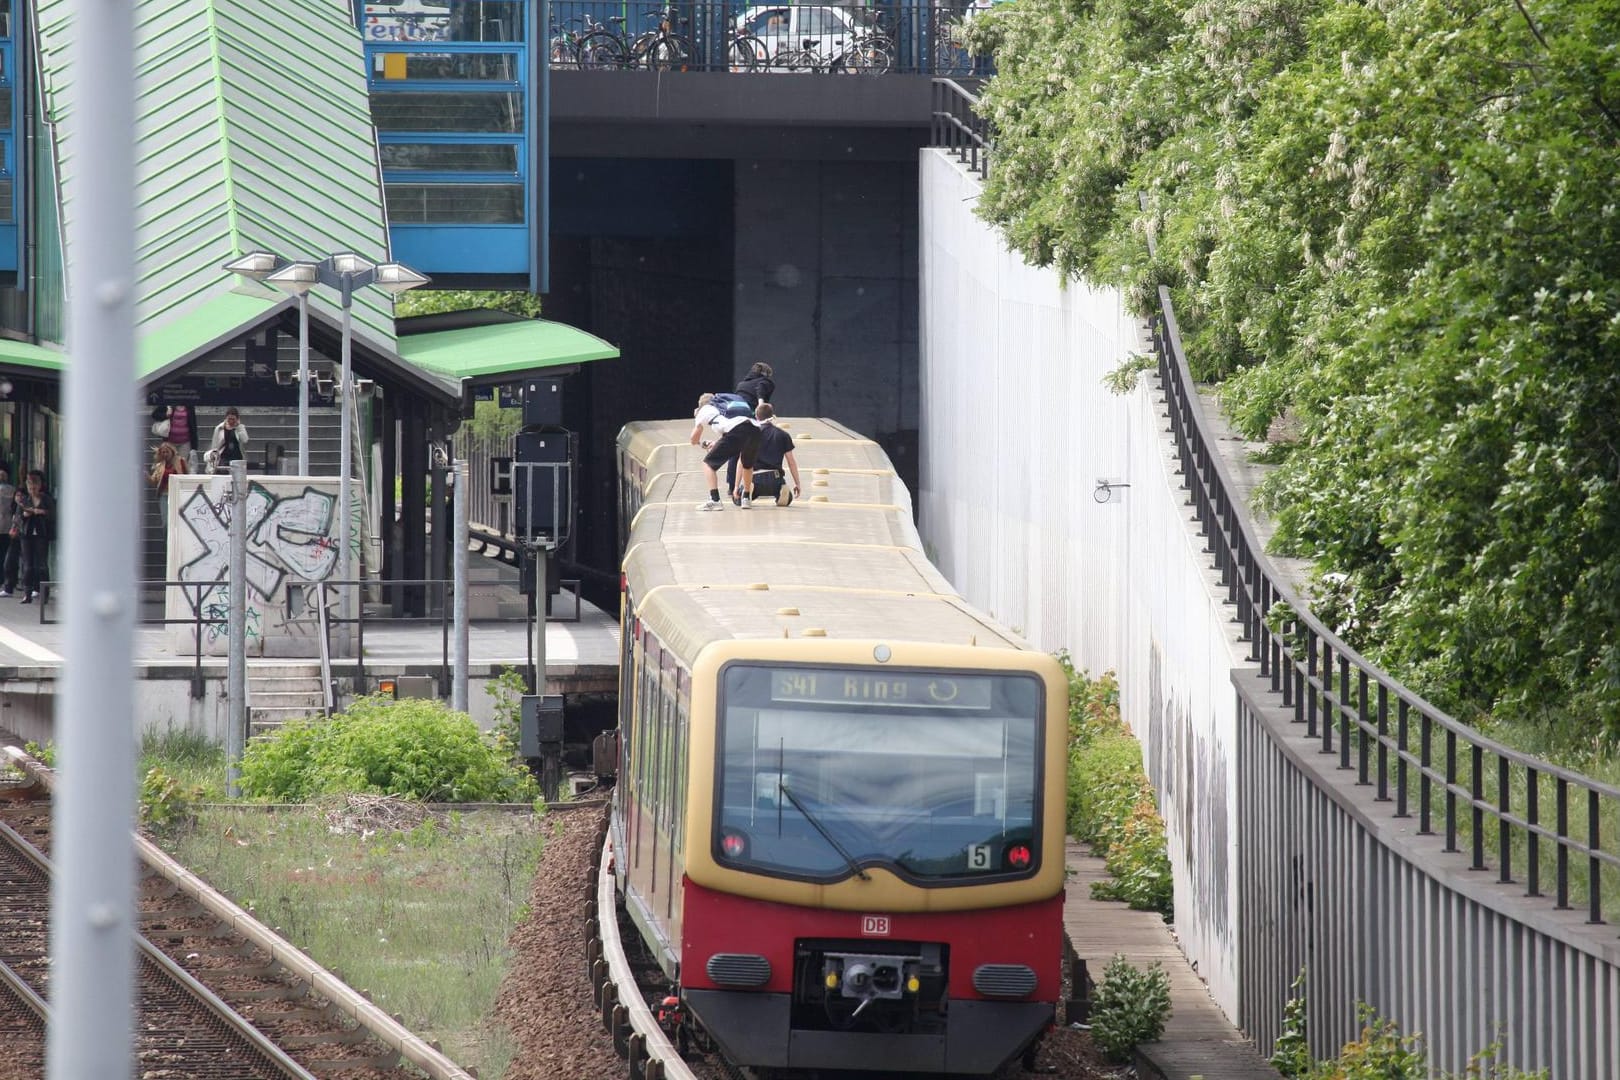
(785, 28)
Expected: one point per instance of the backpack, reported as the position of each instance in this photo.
(732, 405)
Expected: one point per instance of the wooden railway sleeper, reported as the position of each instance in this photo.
(347, 1037)
(608, 999)
(390, 1060)
(621, 1030)
(636, 1056)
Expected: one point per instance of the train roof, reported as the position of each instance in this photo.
(843, 562)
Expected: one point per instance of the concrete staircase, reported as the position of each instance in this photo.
(281, 692)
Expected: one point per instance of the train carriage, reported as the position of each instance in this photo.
(839, 821)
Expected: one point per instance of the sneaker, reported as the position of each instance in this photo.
(784, 496)
(711, 504)
(747, 503)
(5, 592)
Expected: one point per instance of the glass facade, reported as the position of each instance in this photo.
(449, 84)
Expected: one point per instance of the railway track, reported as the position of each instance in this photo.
(218, 990)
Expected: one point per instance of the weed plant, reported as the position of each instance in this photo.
(1111, 803)
(1381, 1052)
(1130, 1008)
(418, 918)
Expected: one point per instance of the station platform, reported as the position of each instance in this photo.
(1198, 1039)
(582, 655)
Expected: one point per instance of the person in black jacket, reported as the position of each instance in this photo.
(757, 386)
(37, 528)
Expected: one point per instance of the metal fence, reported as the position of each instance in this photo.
(957, 127)
(778, 39)
(1396, 856)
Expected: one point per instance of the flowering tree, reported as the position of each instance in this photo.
(1395, 225)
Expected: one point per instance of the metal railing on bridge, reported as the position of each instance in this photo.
(927, 38)
(1394, 854)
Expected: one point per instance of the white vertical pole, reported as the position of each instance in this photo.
(236, 666)
(303, 384)
(345, 465)
(93, 894)
(458, 678)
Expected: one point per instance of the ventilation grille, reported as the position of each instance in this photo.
(742, 969)
(1003, 980)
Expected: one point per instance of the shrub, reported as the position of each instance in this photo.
(165, 800)
(1105, 783)
(417, 748)
(1130, 1008)
(1139, 863)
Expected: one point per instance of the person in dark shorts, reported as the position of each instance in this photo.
(775, 452)
(755, 387)
(732, 435)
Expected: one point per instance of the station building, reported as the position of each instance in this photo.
(305, 129)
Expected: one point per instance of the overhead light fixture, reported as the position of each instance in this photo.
(296, 278)
(256, 265)
(396, 278)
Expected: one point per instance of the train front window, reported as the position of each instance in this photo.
(824, 773)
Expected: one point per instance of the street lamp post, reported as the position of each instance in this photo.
(344, 272)
(256, 266)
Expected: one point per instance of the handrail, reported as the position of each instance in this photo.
(955, 125)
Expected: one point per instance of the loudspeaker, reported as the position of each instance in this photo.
(543, 485)
(542, 402)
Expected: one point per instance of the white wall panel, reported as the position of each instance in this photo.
(1017, 427)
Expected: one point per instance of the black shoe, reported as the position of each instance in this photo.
(29, 599)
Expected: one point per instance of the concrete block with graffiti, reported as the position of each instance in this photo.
(292, 548)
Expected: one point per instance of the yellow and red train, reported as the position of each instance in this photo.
(839, 818)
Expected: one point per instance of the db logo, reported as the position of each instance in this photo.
(874, 926)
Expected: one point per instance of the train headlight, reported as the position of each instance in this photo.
(1019, 856)
(734, 844)
(831, 979)
(913, 984)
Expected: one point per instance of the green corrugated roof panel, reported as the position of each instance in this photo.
(503, 347)
(255, 132)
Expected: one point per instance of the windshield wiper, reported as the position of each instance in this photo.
(825, 835)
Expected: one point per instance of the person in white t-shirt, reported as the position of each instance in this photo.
(732, 436)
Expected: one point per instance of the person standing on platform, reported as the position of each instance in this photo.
(38, 529)
(166, 462)
(8, 517)
(229, 443)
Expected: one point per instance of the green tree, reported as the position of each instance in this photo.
(1393, 224)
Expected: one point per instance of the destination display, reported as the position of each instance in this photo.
(799, 686)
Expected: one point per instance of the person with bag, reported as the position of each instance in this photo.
(732, 421)
(229, 442)
(38, 529)
(8, 519)
(166, 461)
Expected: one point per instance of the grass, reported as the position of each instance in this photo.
(418, 917)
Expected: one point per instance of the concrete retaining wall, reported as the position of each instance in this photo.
(1017, 431)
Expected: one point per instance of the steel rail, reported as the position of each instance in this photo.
(239, 1026)
(625, 1014)
(378, 1023)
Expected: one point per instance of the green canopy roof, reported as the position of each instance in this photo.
(503, 348)
(34, 356)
